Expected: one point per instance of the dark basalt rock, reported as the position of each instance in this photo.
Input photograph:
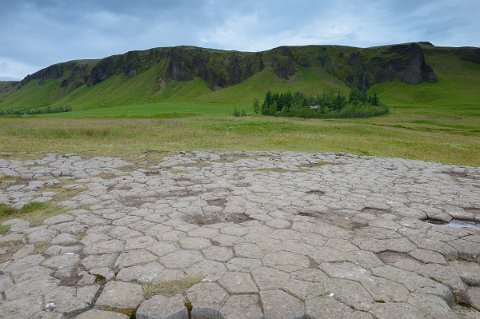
(405, 62)
(469, 54)
(360, 68)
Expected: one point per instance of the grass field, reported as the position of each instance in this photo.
(435, 122)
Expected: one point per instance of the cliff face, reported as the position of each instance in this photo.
(356, 67)
(360, 68)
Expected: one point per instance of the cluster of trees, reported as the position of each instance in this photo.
(357, 104)
(44, 110)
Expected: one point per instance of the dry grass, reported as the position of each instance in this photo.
(395, 135)
(171, 287)
(34, 211)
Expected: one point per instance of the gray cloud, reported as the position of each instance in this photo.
(37, 33)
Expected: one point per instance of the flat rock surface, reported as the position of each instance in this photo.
(256, 234)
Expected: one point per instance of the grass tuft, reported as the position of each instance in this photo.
(171, 287)
(4, 228)
(34, 211)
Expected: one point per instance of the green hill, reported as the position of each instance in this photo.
(403, 74)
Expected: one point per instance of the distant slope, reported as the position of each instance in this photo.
(191, 74)
(458, 73)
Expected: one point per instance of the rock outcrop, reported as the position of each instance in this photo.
(359, 68)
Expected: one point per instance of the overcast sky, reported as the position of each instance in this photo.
(38, 33)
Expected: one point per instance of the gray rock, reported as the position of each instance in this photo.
(62, 261)
(447, 276)
(242, 307)
(206, 295)
(96, 261)
(24, 263)
(64, 239)
(119, 294)
(32, 287)
(146, 273)
(134, 257)
(279, 304)
(159, 307)
(194, 243)
(5, 282)
(350, 293)
(41, 236)
(218, 253)
(69, 299)
(427, 256)
(398, 310)
(22, 307)
(468, 271)
(238, 283)
(323, 307)
(286, 261)
(181, 259)
(104, 247)
(104, 272)
(100, 314)
(474, 296)
(162, 248)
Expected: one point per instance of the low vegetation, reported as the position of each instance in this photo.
(427, 121)
(171, 287)
(36, 111)
(358, 104)
(34, 212)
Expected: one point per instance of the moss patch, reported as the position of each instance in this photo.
(34, 211)
(4, 228)
(170, 287)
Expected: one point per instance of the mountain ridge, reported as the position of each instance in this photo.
(163, 67)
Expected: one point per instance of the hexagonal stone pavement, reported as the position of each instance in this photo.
(241, 235)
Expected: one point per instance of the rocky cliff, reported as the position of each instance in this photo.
(357, 67)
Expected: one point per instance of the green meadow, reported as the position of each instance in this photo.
(429, 121)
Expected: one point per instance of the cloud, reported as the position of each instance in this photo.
(43, 32)
(13, 70)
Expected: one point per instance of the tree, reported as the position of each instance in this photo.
(256, 106)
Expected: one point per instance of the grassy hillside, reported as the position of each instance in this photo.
(185, 74)
(428, 121)
(458, 83)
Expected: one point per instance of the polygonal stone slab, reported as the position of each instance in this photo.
(100, 314)
(207, 295)
(218, 253)
(350, 293)
(25, 307)
(33, 287)
(162, 307)
(66, 299)
(194, 243)
(119, 294)
(248, 250)
(134, 257)
(64, 239)
(242, 307)
(62, 261)
(468, 271)
(286, 261)
(277, 304)
(24, 263)
(139, 242)
(94, 261)
(321, 307)
(181, 259)
(391, 310)
(238, 283)
(104, 247)
(142, 273)
(162, 248)
(269, 278)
